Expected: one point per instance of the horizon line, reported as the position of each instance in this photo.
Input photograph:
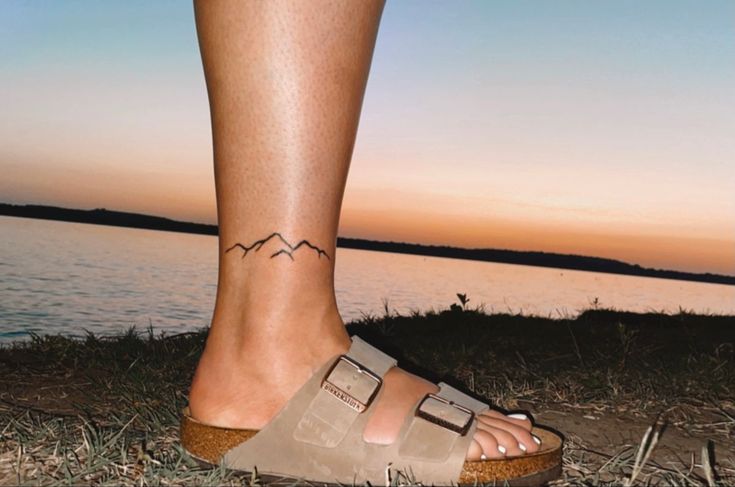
(501, 255)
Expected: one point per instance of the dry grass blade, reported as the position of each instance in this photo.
(709, 471)
(648, 444)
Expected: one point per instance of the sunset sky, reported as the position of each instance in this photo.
(602, 128)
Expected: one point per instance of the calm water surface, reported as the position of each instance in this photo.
(58, 277)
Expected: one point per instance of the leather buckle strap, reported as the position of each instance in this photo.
(352, 383)
(340, 392)
(445, 413)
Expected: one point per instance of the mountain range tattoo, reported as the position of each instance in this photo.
(288, 251)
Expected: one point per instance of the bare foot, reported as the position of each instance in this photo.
(245, 386)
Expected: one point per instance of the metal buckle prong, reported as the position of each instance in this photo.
(462, 430)
(345, 396)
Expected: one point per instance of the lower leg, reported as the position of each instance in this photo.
(286, 82)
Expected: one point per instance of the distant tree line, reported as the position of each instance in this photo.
(102, 216)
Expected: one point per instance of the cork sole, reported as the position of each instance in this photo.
(208, 444)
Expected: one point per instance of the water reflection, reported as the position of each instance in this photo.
(58, 277)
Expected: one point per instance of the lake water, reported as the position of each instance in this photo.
(58, 277)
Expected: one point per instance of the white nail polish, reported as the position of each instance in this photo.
(502, 449)
(483, 457)
(536, 439)
(522, 447)
(520, 416)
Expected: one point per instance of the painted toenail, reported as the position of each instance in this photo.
(522, 446)
(536, 439)
(483, 457)
(502, 449)
(520, 416)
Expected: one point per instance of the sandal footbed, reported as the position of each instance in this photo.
(208, 444)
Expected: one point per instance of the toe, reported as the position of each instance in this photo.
(521, 437)
(507, 443)
(491, 449)
(518, 419)
(475, 451)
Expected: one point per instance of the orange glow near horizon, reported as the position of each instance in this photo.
(405, 216)
(408, 218)
(678, 253)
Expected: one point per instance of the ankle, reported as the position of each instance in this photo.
(238, 333)
(249, 369)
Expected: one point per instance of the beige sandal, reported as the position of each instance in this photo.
(317, 436)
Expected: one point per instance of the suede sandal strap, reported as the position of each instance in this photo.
(376, 360)
(347, 390)
(455, 395)
(440, 431)
(319, 433)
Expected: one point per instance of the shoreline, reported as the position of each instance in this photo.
(20, 339)
(503, 256)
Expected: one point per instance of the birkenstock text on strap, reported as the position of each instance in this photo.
(347, 390)
(352, 383)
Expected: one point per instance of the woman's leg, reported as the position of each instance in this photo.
(286, 81)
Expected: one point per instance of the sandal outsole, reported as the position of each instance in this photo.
(538, 478)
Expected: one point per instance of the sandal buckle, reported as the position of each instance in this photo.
(449, 421)
(353, 384)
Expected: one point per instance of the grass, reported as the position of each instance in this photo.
(104, 410)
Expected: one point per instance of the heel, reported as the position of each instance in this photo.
(208, 444)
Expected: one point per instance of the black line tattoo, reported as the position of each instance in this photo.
(289, 252)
